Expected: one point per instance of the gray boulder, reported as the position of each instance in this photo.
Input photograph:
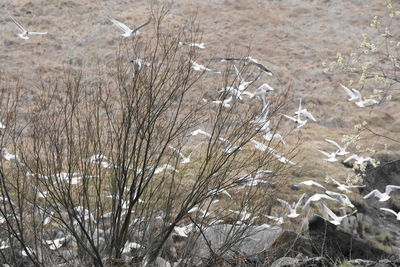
(229, 241)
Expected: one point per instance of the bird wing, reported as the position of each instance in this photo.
(354, 156)
(120, 25)
(357, 94)
(349, 92)
(333, 143)
(389, 210)
(390, 188)
(374, 192)
(323, 152)
(329, 212)
(22, 29)
(260, 66)
(142, 25)
(307, 114)
(289, 117)
(32, 33)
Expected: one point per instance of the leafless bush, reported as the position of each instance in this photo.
(95, 177)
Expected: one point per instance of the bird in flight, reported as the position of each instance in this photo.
(24, 33)
(128, 32)
(336, 220)
(382, 196)
(292, 208)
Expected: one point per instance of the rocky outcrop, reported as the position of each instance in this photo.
(337, 244)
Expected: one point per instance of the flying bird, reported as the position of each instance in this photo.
(382, 196)
(360, 160)
(128, 32)
(364, 102)
(292, 208)
(341, 149)
(304, 112)
(300, 123)
(330, 157)
(351, 93)
(24, 33)
(336, 220)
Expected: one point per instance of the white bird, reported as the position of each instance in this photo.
(364, 102)
(56, 243)
(304, 112)
(350, 93)
(317, 197)
(343, 187)
(2, 126)
(198, 67)
(165, 167)
(336, 220)
(397, 214)
(128, 32)
(184, 158)
(292, 208)
(195, 45)
(300, 123)
(330, 157)
(261, 92)
(341, 150)
(248, 61)
(382, 196)
(24, 33)
(360, 160)
(342, 198)
(310, 183)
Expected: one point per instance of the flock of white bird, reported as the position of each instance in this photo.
(262, 124)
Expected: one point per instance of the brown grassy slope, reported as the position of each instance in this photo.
(292, 37)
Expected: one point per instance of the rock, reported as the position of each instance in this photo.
(337, 244)
(304, 262)
(285, 261)
(388, 172)
(291, 244)
(228, 240)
